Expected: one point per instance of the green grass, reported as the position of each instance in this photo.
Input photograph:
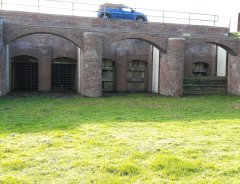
(126, 139)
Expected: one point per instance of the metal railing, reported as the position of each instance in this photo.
(64, 7)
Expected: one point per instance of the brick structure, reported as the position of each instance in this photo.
(44, 68)
(234, 75)
(172, 68)
(202, 52)
(234, 70)
(121, 52)
(177, 52)
(91, 65)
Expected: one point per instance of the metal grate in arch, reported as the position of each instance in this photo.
(24, 73)
(64, 75)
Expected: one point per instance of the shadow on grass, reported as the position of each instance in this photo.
(42, 113)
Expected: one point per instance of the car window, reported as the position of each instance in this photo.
(127, 9)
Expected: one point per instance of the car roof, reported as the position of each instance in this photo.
(113, 5)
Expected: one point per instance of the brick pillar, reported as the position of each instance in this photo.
(172, 68)
(234, 75)
(3, 82)
(163, 80)
(91, 65)
(121, 74)
(44, 68)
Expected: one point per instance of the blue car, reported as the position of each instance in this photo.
(119, 11)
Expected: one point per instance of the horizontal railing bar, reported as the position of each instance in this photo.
(187, 19)
(27, 5)
(47, 8)
(71, 2)
(52, 1)
(176, 11)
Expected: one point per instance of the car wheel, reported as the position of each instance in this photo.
(140, 19)
(105, 16)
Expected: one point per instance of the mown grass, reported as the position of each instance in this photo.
(126, 139)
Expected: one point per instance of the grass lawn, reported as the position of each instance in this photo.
(126, 139)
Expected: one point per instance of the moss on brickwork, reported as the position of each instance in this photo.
(235, 34)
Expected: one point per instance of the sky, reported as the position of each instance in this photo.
(227, 11)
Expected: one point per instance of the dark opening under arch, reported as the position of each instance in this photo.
(24, 73)
(200, 69)
(108, 75)
(64, 75)
(137, 76)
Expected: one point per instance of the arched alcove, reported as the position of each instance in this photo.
(24, 73)
(200, 69)
(63, 75)
(137, 76)
(126, 49)
(44, 47)
(108, 75)
(208, 66)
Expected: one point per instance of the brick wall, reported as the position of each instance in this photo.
(199, 52)
(172, 68)
(234, 75)
(120, 52)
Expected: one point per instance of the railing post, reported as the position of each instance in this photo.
(73, 8)
(1, 4)
(215, 19)
(163, 15)
(229, 24)
(189, 18)
(38, 6)
(104, 10)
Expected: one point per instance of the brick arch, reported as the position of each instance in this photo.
(137, 58)
(18, 52)
(228, 48)
(110, 58)
(66, 57)
(141, 60)
(229, 44)
(15, 33)
(25, 55)
(158, 41)
(115, 60)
